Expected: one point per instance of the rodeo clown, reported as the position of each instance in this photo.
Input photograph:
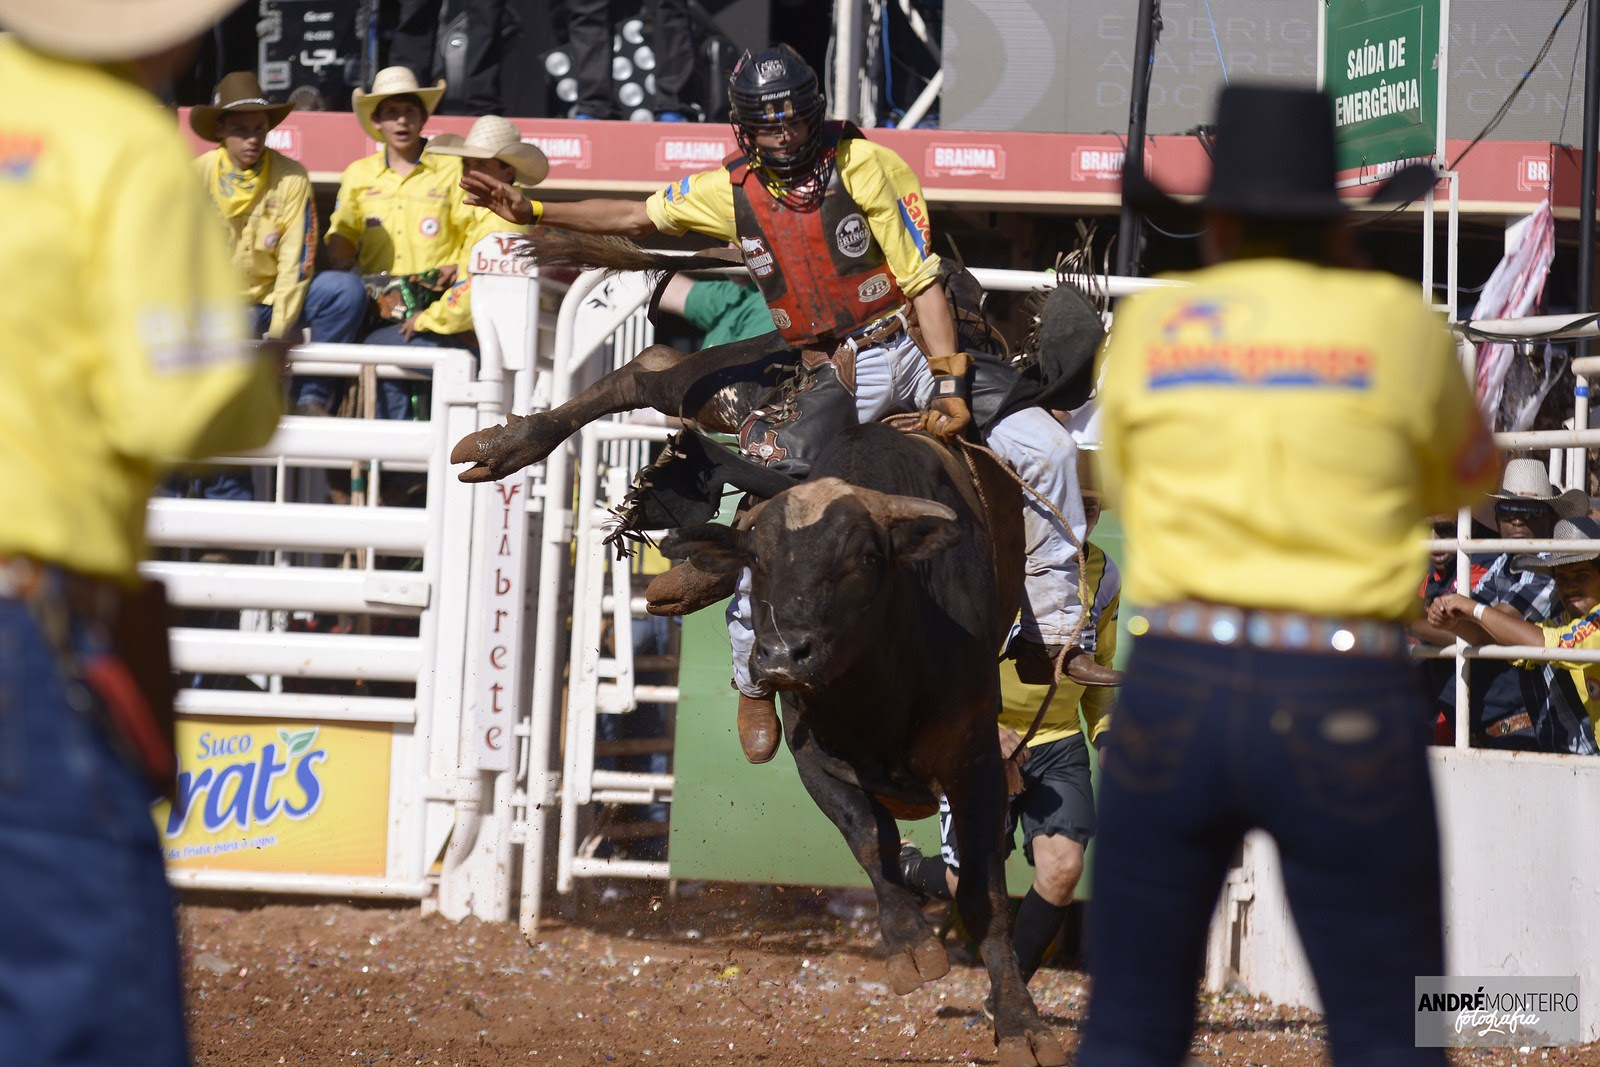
(834, 230)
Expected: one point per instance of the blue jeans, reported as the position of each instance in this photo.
(335, 307)
(88, 943)
(399, 399)
(1325, 753)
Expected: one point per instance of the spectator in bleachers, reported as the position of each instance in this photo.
(723, 309)
(1441, 579)
(414, 43)
(591, 28)
(1506, 702)
(125, 349)
(1566, 722)
(264, 199)
(400, 212)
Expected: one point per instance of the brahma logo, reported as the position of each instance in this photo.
(874, 288)
(914, 213)
(683, 153)
(1102, 164)
(565, 151)
(1533, 173)
(285, 139)
(852, 235)
(497, 254)
(966, 160)
(756, 256)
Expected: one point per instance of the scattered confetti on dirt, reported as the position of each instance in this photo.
(731, 974)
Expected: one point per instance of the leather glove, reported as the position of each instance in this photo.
(948, 414)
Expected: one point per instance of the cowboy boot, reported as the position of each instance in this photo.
(684, 589)
(759, 730)
(1036, 665)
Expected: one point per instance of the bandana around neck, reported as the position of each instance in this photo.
(236, 190)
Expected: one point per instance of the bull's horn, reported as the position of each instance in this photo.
(889, 509)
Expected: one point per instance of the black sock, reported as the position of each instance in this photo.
(927, 875)
(1036, 925)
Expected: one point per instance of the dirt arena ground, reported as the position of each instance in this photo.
(734, 974)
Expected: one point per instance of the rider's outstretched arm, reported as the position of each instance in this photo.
(618, 218)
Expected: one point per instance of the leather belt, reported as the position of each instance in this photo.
(1289, 631)
(1509, 725)
(29, 580)
(877, 331)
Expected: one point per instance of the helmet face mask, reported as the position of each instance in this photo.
(773, 97)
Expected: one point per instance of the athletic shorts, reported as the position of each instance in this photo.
(1056, 798)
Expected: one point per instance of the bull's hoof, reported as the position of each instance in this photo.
(685, 589)
(924, 962)
(496, 451)
(1036, 1048)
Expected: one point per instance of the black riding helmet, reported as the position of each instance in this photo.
(766, 90)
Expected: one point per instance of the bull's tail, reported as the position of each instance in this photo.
(551, 247)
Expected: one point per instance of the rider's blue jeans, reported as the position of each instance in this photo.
(1326, 753)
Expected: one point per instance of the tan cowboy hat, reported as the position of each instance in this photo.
(392, 81)
(1526, 479)
(109, 29)
(1579, 529)
(493, 137)
(237, 93)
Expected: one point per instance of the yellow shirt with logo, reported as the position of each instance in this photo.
(452, 312)
(125, 346)
(1276, 432)
(274, 241)
(402, 225)
(1577, 633)
(1019, 701)
(876, 178)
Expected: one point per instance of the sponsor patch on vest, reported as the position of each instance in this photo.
(780, 319)
(756, 256)
(874, 288)
(429, 226)
(852, 235)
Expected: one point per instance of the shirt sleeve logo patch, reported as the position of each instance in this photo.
(914, 214)
(429, 226)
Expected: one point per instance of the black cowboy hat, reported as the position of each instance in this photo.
(1273, 159)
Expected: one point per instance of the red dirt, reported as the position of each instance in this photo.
(738, 974)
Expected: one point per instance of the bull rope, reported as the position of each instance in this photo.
(1013, 762)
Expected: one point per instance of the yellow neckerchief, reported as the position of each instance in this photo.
(236, 190)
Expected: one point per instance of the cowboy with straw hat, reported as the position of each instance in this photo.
(238, 93)
(496, 138)
(125, 353)
(1275, 433)
(387, 84)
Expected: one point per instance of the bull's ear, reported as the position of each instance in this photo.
(922, 536)
(710, 546)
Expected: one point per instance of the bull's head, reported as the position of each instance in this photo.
(823, 556)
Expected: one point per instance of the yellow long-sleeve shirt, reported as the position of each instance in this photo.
(275, 241)
(877, 179)
(125, 347)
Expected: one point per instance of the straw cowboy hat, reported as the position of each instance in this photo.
(236, 94)
(1525, 479)
(1579, 529)
(493, 137)
(109, 29)
(392, 81)
(1273, 158)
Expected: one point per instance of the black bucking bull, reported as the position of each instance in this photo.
(883, 589)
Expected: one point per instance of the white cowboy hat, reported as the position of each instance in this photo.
(1580, 529)
(493, 137)
(109, 29)
(1525, 479)
(392, 81)
(237, 93)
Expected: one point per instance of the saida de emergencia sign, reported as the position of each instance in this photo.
(1381, 65)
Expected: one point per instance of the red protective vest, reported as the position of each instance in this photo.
(821, 272)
